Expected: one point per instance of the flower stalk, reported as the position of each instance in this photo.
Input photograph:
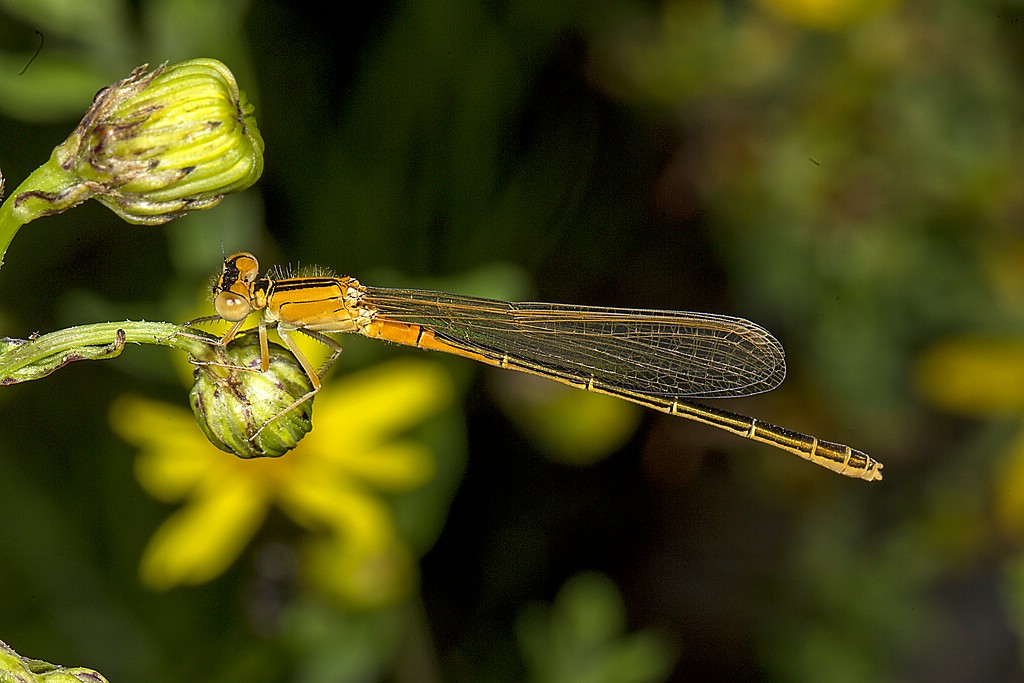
(241, 409)
(22, 360)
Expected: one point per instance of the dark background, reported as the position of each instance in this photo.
(847, 174)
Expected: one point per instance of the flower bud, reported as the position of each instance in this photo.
(14, 667)
(247, 412)
(156, 145)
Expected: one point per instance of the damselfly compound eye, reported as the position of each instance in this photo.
(231, 306)
(245, 264)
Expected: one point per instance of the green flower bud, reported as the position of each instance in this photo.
(14, 667)
(247, 412)
(155, 146)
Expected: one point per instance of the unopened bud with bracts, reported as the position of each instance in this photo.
(14, 667)
(153, 147)
(248, 412)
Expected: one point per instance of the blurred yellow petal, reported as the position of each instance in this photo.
(202, 539)
(154, 425)
(825, 14)
(353, 513)
(366, 575)
(393, 466)
(174, 455)
(171, 476)
(365, 407)
(973, 376)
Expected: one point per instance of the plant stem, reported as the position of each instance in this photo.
(48, 189)
(23, 360)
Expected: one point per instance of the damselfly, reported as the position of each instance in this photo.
(658, 359)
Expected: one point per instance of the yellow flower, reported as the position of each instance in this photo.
(984, 378)
(974, 376)
(825, 14)
(331, 483)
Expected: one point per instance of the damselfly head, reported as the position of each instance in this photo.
(239, 267)
(232, 291)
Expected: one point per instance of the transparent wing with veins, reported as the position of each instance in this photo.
(649, 352)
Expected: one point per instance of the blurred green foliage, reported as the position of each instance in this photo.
(580, 639)
(846, 173)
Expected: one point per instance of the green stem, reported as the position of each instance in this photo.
(23, 360)
(47, 190)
